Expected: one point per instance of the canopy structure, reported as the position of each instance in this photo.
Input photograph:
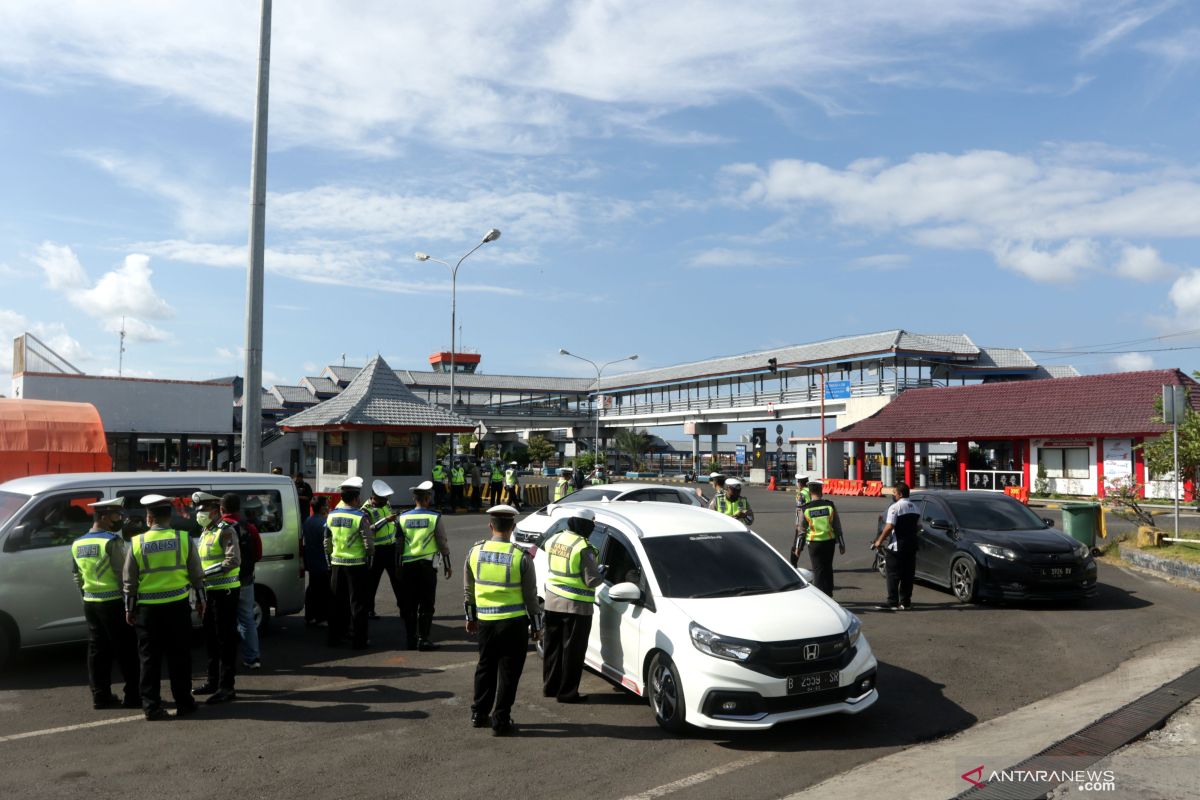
(46, 436)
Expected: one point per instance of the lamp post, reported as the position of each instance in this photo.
(490, 236)
(599, 371)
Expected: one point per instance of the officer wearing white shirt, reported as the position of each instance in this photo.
(899, 540)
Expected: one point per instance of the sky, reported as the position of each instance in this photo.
(680, 180)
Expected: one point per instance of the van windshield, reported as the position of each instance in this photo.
(10, 503)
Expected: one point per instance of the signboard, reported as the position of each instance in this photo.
(1118, 460)
(837, 390)
(1174, 403)
(758, 441)
(779, 428)
(739, 454)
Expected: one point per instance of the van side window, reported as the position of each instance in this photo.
(55, 522)
(182, 514)
(264, 509)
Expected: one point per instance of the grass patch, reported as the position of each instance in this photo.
(1178, 550)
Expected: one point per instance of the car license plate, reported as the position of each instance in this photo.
(813, 682)
(1056, 572)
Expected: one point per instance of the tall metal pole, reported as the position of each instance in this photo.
(1175, 447)
(252, 388)
(453, 311)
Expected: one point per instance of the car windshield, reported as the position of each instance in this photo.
(590, 495)
(991, 513)
(727, 564)
(10, 502)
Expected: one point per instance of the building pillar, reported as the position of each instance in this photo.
(1024, 444)
(716, 455)
(860, 460)
(889, 452)
(1100, 467)
(1139, 468)
(229, 449)
(964, 458)
(924, 474)
(909, 453)
(184, 453)
(696, 454)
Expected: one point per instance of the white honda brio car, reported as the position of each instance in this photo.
(712, 626)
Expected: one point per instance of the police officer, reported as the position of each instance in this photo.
(819, 527)
(160, 565)
(349, 544)
(424, 537)
(570, 596)
(439, 485)
(97, 558)
(731, 502)
(500, 598)
(220, 558)
(495, 482)
(899, 542)
(562, 487)
(803, 498)
(512, 487)
(383, 525)
(717, 481)
(458, 484)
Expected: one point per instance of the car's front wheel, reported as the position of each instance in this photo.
(964, 579)
(665, 693)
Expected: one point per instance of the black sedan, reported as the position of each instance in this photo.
(989, 546)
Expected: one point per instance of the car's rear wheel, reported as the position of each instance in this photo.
(964, 579)
(665, 693)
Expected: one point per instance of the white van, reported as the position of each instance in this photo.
(41, 515)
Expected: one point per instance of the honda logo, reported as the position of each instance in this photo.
(811, 651)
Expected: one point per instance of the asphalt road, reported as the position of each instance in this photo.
(391, 723)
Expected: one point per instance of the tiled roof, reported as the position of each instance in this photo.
(342, 374)
(523, 383)
(1000, 358)
(377, 400)
(1118, 404)
(1056, 371)
(296, 395)
(269, 402)
(846, 348)
(321, 386)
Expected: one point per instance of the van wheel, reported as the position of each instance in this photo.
(963, 580)
(262, 611)
(665, 693)
(8, 646)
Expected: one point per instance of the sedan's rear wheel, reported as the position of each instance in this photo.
(964, 579)
(665, 693)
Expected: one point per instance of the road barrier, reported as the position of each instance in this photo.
(1019, 492)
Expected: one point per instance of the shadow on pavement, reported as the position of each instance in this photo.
(290, 712)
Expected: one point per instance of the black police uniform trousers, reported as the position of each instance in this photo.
(385, 560)
(418, 586)
(820, 555)
(495, 491)
(901, 568)
(565, 646)
(110, 637)
(165, 629)
(316, 597)
(502, 648)
(349, 612)
(456, 496)
(221, 636)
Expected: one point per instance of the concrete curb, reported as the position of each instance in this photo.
(1183, 570)
(934, 769)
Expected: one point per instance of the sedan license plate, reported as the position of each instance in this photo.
(813, 682)
(1056, 572)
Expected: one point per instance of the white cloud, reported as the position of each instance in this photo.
(518, 77)
(1143, 264)
(1123, 25)
(1132, 362)
(882, 262)
(123, 296)
(722, 257)
(1175, 50)
(1185, 295)
(1049, 215)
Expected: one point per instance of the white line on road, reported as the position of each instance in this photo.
(343, 684)
(700, 777)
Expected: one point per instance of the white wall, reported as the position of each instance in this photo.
(1080, 486)
(132, 405)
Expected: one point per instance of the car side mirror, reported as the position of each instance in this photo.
(19, 538)
(625, 592)
(940, 525)
(1049, 522)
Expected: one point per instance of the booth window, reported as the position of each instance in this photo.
(1064, 462)
(396, 453)
(335, 452)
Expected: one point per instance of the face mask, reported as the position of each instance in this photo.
(204, 518)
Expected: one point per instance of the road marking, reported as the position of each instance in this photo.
(343, 684)
(700, 777)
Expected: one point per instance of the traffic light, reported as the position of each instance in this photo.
(773, 365)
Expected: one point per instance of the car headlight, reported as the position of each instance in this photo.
(1080, 549)
(719, 646)
(996, 551)
(854, 632)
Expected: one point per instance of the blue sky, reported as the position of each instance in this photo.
(677, 179)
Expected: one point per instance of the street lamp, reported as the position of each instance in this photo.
(490, 236)
(599, 370)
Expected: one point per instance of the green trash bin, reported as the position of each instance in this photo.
(1081, 521)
